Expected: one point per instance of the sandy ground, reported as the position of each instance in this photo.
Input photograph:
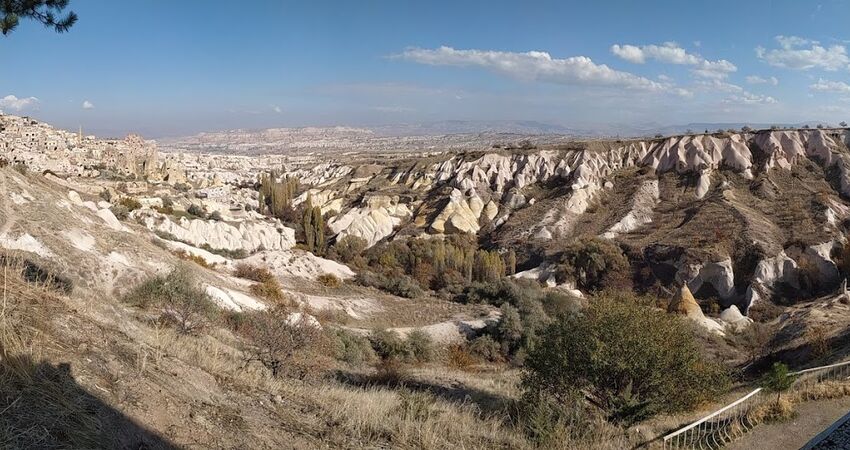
(812, 418)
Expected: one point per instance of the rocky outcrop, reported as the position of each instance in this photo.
(244, 236)
(685, 304)
(299, 264)
(460, 215)
(643, 202)
(373, 220)
(734, 319)
(717, 274)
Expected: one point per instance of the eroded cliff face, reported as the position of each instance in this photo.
(710, 195)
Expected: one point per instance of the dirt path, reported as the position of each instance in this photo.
(812, 418)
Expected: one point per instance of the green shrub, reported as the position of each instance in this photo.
(633, 361)
(486, 348)
(181, 299)
(402, 285)
(349, 247)
(215, 215)
(351, 348)
(595, 264)
(197, 211)
(389, 345)
(421, 345)
(120, 212)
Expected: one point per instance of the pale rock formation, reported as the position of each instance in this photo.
(373, 220)
(643, 203)
(685, 304)
(26, 243)
(820, 255)
(491, 210)
(110, 219)
(247, 236)
(734, 319)
(768, 273)
(718, 274)
(209, 258)
(460, 215)
(234, 300)
(298, 263)
(80, 239)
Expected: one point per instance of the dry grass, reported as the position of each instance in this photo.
(777, 410)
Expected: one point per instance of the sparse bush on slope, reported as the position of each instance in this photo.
(179, 297)
(288, 345)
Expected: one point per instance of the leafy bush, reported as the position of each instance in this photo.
(120, 212)
(402, 285)
(459, 357)
(349, 248)
(351, 348)
(595, 264)
(630, 360)
(389, 345)
(421, 345)
(329, 280)
(486, 348)
(178, 295)
(215, 215)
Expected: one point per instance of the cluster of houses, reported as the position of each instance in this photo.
(42, 148)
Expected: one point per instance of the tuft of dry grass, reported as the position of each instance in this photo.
(253, 273)
(777, 410)
(329, 280)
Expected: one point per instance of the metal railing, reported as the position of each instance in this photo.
(734, 420)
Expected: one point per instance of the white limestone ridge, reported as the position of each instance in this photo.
(499, 178)
(219, 235)
(643, 203)
(375, 218)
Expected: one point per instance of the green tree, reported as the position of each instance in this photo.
(595, 264)
(47, 12)
(314, 227)
(777, 379)
(630, 361)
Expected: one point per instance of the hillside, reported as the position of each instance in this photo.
(152, 291)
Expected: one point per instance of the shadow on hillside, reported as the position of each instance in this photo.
(487, 402)
(42, 406)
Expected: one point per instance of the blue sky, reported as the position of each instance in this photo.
(177, 67)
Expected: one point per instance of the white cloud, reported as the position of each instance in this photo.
(755, 79)
(13, 103)
(672, 53)
(276, 109)
(88, 105)
(804, 54)
(534, 66)
(830, 86)
(747, 98)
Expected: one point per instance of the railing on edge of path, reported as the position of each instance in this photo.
(733, 420)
